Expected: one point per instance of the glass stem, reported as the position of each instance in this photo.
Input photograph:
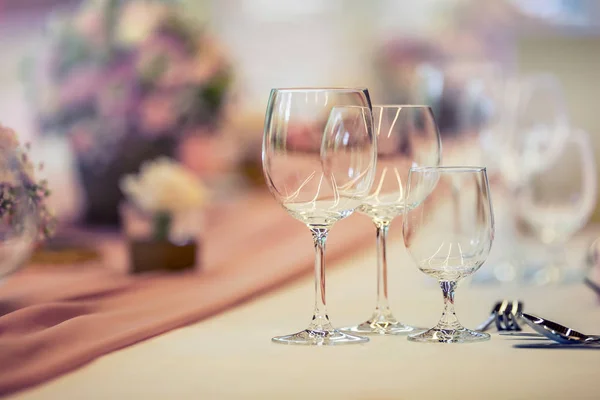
(558, 255)
(556, 268)
(449, 320)
(382, 284)
(320, 319)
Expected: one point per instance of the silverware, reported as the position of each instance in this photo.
(592, 261)
(593, 254)
(505, 314)
(486, 324)
(555, 346)
(592, 285)
(557, 332)
(524, 335)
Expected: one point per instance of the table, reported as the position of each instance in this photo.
(231, 355)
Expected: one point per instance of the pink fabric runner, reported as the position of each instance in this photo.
(55, 320)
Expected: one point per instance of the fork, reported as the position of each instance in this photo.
(505, 314)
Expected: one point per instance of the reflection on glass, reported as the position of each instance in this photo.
(534, 129)
(558, 201)
(528, 133)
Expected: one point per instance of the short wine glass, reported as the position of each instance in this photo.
(407, 135)
(319, 155)
(449, 236)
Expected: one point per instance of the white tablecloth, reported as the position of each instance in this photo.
(231, 355)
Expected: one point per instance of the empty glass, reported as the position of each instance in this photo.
(449, 236)
(406, 136)
(557, 201)
(534, 129)
(527, 133)
(319, 155)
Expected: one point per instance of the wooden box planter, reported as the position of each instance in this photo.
(153, 255)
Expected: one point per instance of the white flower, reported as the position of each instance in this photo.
(138, 20)
(164, 185)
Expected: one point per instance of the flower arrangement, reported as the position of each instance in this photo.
(17, 182)
(125, 81)
(164, 189)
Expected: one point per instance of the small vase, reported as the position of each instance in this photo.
(176, 248)
(161, 255)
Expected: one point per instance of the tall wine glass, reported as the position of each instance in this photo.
(319, 155)
(558, 201)
(407, 136)
(534, 130)
(449, 236)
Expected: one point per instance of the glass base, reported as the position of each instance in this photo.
(459, 335)
(311, 337)
(382, 324)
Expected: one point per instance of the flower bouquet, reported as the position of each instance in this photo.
(18, 183)
(127, 80)
(25, 219)
(163, 216)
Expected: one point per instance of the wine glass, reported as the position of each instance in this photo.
(407, 135)
(449, 236)
(558, 201)
(319, 155)
(18, 217)
(527, 133)
(535, 128)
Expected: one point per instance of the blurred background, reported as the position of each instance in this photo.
(98, 86)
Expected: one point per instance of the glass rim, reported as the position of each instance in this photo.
(320, 89)
(350, 106)
(447, 168)
(401, 106)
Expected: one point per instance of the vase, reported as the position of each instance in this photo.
(176, 246)
(100, 183)
(163, 255)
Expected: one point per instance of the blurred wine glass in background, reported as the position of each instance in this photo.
(466, 98)
(514, 125)
(535, 128)
(556, 202)
(524, 130)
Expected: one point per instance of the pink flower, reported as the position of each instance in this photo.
(81, 86)
(81, 140)
(209, 61)
(208, 155)
(90, 23)
(157, 114)
(8, 138)
(117, 95)
(158, 56)
(196, 71)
